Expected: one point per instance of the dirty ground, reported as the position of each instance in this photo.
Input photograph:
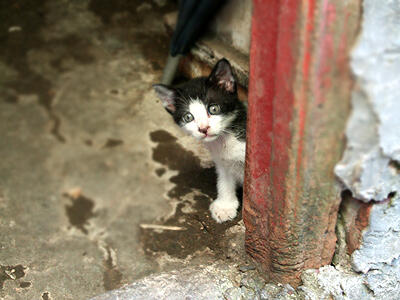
(98, 187)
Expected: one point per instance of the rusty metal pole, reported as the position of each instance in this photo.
(299, 99)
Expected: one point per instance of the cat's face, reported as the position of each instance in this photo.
(203, 107)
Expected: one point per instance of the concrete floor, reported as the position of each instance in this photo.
(89, 159)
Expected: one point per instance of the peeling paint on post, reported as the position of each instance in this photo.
(299, 98)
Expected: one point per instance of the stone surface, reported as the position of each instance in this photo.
(88, 156)
(381, 240)
(385, 280)
(329, 282)
(204, 282)
(218, 281)
(215, 281)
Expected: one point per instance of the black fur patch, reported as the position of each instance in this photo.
(206, 90)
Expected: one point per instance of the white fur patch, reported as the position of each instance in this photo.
(222, 210)
(228, 154)
(202, 119)
(199, 112)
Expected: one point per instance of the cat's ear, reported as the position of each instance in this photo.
(167, 96)
(222, 76)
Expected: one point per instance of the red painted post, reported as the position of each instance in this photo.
(299, 97)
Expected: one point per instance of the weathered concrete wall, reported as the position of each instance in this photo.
(379, 255)
(233, 24)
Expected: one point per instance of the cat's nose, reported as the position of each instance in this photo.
(204, 129)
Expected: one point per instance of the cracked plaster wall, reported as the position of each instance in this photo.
(370, 165)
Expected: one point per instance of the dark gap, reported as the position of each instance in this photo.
(395, 165)
(345, 194)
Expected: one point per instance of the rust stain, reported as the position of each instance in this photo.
(356, 218)
(354, 236)
(302, 106)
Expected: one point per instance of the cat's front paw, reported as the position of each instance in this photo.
(224, 210)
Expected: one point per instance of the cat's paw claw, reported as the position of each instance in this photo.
(222, 211)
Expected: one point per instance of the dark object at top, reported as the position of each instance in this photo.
(192, 21)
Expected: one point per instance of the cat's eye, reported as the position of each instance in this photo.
(188, 117)
(214, 109)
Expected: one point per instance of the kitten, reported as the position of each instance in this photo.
(208, 108)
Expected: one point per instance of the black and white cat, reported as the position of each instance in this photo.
(208, 108)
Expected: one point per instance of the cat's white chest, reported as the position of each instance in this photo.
(227, 148)
(228, 152)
